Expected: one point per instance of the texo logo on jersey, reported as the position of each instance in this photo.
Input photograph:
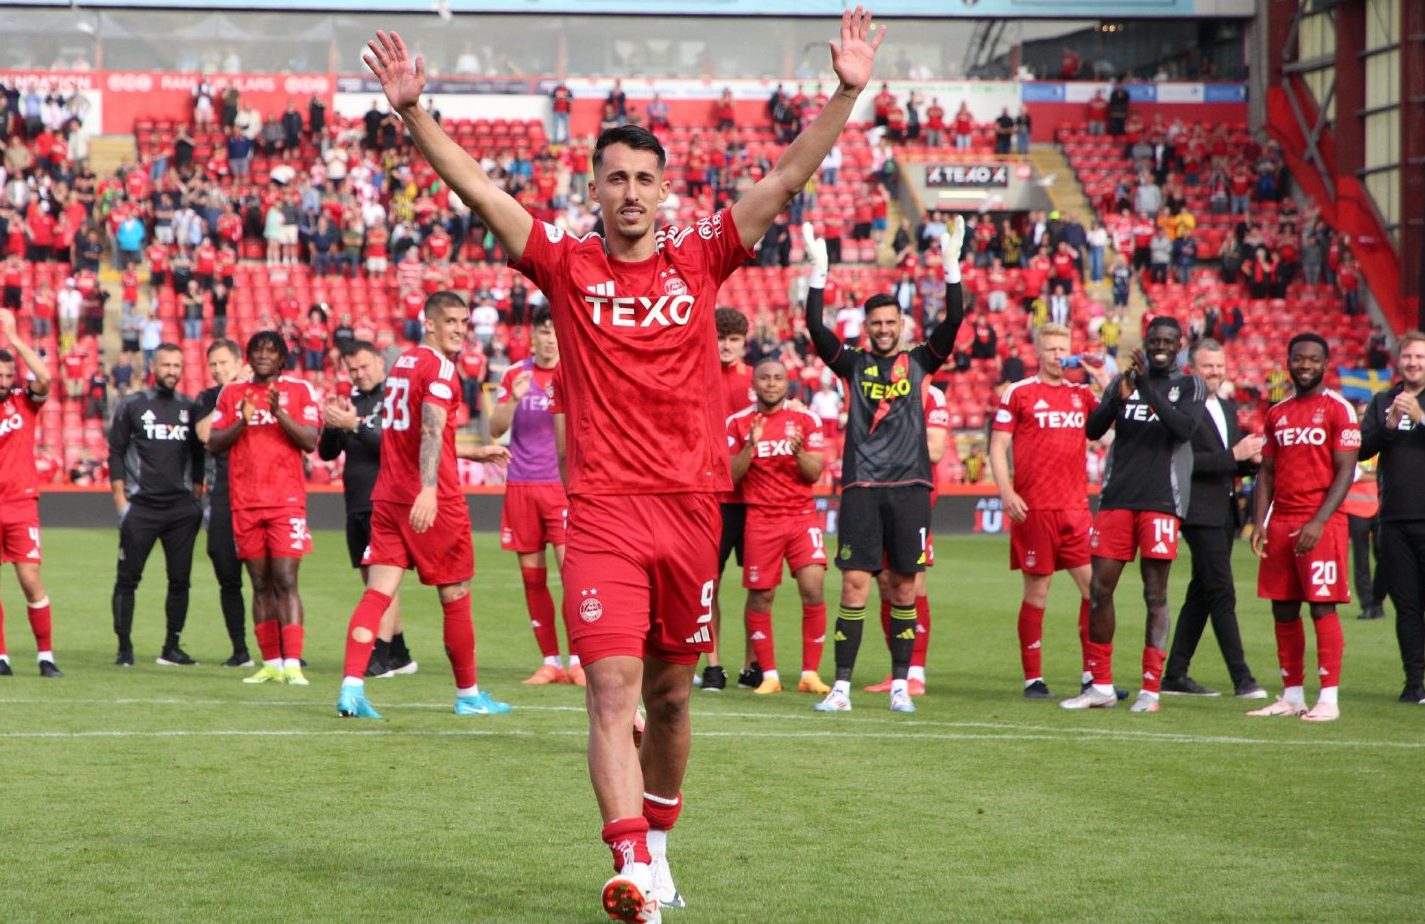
(623, 311)
(11, 424)
(766, 449)
(1060, 420)
(879, 392)
(1296, 436)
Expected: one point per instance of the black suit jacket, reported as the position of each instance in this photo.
(1215, 471)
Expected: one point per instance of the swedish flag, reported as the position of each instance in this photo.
(1358, 384)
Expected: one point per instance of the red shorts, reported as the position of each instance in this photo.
(20, 531)
(773, 535)
(1120, 534)
(532, 517)
(441, 555)
(1319, 576)
(271, 532)
(1050, 540)
(639, 575)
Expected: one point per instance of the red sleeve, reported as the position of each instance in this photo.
(721, 244)
(736, 439)
(546, 254)
(304, 405)
(442, 389)
(507, 384)
(1348, 431)
(815, 440)
(1008, 411)
(225, 411)
(1269, 448)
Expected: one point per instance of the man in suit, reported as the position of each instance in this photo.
(1220, 455)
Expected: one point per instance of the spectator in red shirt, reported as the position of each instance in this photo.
(884, 102)
(725, 112)
(964, 128)
(935, 124)
(1348, 278)
(1097, 113)
(472, 368)
(315, 339)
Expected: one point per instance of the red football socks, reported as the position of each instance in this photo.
(361, 632)
(662, 813)
(1291, 651)
(759, 632)
(922, 632)
(1153, 659)
(292, 637)
(1100, 662)
(269, 640)
(628, 841)
(1084, 609)
(1330, 646)
(1031, 640)
(814, 635)
(460, 641)
(40, 625)
(541, 610)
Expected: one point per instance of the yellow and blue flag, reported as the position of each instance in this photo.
(1359, 384)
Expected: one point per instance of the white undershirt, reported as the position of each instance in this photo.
(1214, 407)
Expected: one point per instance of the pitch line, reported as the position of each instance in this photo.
(954, 731)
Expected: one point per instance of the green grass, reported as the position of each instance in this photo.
(160, 794)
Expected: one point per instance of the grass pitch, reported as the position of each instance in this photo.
(168, 794)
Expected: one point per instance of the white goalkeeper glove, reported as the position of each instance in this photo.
(951, 243)
(816, 256)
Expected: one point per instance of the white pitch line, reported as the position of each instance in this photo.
(976, 731)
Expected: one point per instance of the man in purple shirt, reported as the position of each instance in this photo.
(535, 506)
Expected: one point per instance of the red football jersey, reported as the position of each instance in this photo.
(18, 413)
(264, 467)
(772, 480)
(1302, 434)
(640, 376)
(937, 417)
(421, 375)
(1047, 423)
(737, 387)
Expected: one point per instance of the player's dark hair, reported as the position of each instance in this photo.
(360, 346)
(773, 359)
(6, 356)
(439, 301)
(633, 136)
(270, 338)
(1309, 337)
(1166, 320)
(730, 321)
(541, 316)
(881, 300)
(168, 346)
(223, 343)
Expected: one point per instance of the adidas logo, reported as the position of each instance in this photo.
(536, 624)
(1321, 671)
(1160, 549)
(758, 636)
(907, 634)
(702, 635)
(1041, 405)
(604, 289)
(1033, 646)
(1148, 675)
(839, 636)
(1323, 591)
(819, 640)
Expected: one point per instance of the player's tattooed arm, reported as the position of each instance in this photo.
(432, 428)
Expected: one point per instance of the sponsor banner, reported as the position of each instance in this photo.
(966, 175)
(1081, 91)
(117, 99)
(1180, 93)
(1224, 93)
(1044, 9)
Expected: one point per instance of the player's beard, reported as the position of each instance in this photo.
(1310, 384)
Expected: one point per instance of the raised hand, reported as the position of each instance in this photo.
(274, 399)
(7, 323)
(402, 79)
(815, 248)
(758, 421)
(520, 386)
(856, 56)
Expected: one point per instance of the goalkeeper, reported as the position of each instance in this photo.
(886, 475)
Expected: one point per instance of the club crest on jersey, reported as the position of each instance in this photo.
(1173, 394)
(590, 607)
(1318, 415)
(1077, 402)
(672, 285)
(1031, 558)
